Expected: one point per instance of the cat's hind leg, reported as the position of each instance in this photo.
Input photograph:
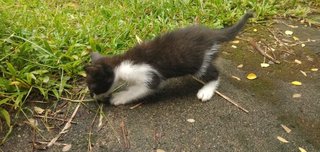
(211, 79)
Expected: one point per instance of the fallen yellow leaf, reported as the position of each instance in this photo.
(303, 45)
(297, 83)
(287, 129)
(235, 41)
(240, 66)
(251, 76)
(302, 150)
(288, 32)
(233, 46)
(296, 95)
(237, 78)
(314, 69)
(297, 61)
(295, 38)
(255, 30)
(304, 73)
(191, 120)
(282, 139)
(264, 65)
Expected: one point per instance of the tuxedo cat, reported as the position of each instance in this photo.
(186, 51)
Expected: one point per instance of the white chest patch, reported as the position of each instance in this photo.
(133, 73)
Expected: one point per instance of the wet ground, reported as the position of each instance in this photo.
(161, 122)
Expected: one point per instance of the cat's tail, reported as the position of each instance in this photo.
(231, 32)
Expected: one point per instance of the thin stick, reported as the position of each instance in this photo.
(259, 49)
(90, 132)
(225, 97)
(47, 117)
(234, 103)
(124, 134)
(137, 105)
(66, 127)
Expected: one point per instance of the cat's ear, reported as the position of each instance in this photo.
(95, 56)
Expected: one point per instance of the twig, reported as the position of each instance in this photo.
(77, 101)
(45, 143)
(224, 96)
(124, 134)
(90, 131)
(259, 49)
(234, 103)
(66, 127)
(60, 119)
(137, 105)
(34, 139)
(280, 42)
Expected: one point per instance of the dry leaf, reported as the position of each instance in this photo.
(309, 58)
(235, 41)
(251, 76)
(295, 38)
(32, 122)
(233, 46)
(296, 83)
(297, 61)
(302, 150)
(264, 65)
(255, 30)
(237, 78)
(288, 32)
(314, 69)
(240, 66)
(282, 139)
(296, 95)
(304, 73)
(38, 110)
(191, 120)
(160, 150)
(287, 129)
(303, 45)
(67, 147)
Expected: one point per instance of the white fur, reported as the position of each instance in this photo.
(207, 91)
(207, 60)
(137, 76)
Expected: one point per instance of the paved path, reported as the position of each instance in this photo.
(161, 123)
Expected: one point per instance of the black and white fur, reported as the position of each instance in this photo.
(146, 66)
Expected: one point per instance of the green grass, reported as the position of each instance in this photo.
(44, 44)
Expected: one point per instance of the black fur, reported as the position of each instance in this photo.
(177, 53)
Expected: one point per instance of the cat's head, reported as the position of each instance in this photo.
(100, 76)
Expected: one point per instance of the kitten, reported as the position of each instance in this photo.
(144, 67)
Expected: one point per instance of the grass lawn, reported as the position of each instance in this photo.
(45, 44)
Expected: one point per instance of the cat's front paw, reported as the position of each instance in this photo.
(205, 94)
(118, 99)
